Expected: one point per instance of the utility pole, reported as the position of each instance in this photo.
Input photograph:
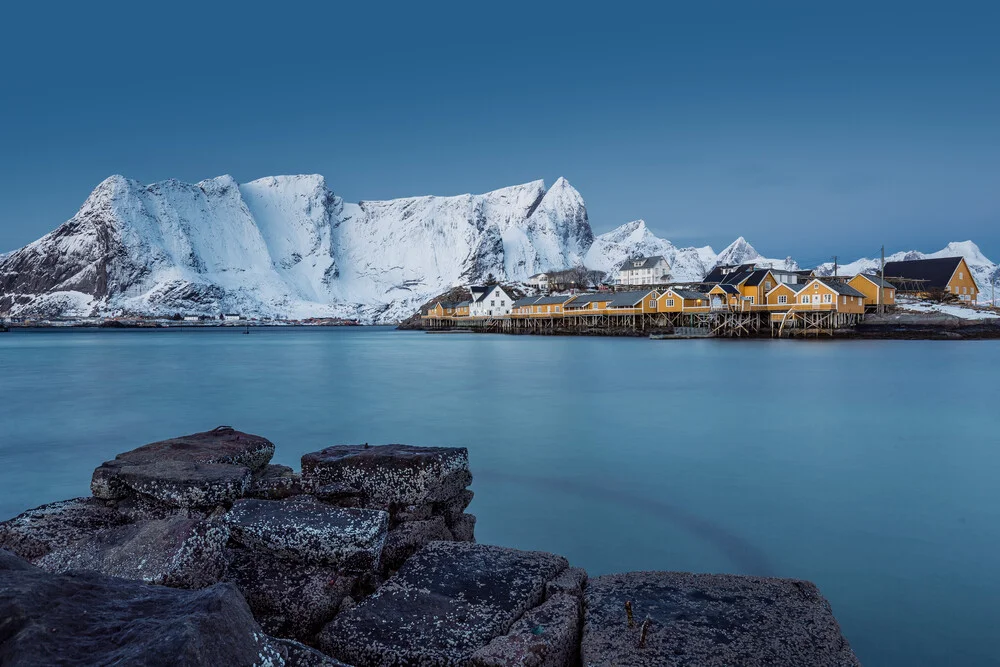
(881, 275)
(834, 266)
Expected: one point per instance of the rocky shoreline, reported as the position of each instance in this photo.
(198, 551)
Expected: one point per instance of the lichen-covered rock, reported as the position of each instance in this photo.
(288, 599)
(310, 532)
(570, 581)
(391, 475)
(57, 525)
(276, 482)
(180, 552)
(454, 507)
(222, 445)
(546, 636)
(300, 655)
(185, 483)
(87, 618)
(408, 538)
(463, 529)
(710, 620)
(445, 603)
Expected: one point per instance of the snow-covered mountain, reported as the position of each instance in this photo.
(286, 246)
(984, 270)
(634, 239)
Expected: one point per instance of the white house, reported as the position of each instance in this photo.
(231, 317)
(489, 302)
(644, 271)
(539, 280)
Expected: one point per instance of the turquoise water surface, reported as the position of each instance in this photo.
(870, 468)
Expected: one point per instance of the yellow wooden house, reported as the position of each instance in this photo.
(587, 304)
(634, 302)
(871, 286)
(927, 276)
(676, 300)
(830, 294)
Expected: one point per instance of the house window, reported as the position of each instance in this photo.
(805, 298)
(652, 303)
(843, 299)
(750, 299)
(960, 275)
(965, 290)
(493, 303)
(767, 284)
(502, 302)
(782, 299)
(670, 303)
(594, 305)
(827, 298)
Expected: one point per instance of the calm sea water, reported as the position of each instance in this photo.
(870, 468)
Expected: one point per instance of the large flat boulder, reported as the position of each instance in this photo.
(177, 551)
(391, 475)
(446, 602)
(91, 619)
(711, 621)
(186, 483)
(57, 525)
(310, 532)
(221, 446)
(546, 636)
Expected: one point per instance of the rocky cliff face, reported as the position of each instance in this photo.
(286, 246)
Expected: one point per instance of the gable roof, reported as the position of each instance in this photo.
(876, 280)
(794, 287)
(934, 272)
(726, 273)
(627, 299)
(486, 291)
(556, 299)
(689, 294)
(642, 263)
(462, 304)
(526, 301)
(756, 277)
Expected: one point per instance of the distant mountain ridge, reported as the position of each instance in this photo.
(287, 246)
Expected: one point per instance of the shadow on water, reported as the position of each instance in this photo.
(747, 558)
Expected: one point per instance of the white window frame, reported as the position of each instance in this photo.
(805, 298)
(670, 303)
(782, 299)
(827, 298)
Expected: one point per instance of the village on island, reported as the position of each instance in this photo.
(731, 301)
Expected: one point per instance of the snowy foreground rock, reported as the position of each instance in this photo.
(198, 551)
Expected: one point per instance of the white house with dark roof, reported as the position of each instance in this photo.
(644, 271)
(490, 301)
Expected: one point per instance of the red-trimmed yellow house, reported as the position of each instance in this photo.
(676, 300)
(830, 294)
(870, 286)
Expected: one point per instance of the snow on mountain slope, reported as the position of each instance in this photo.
(634, 239)
(984, 270)
(286, 246)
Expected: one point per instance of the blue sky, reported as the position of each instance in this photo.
(810, 130)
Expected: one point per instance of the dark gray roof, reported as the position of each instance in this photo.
(729, 289)
(486, 290)
(526, 301)
(642, 263)
(756, 277)
(934, 272)
(555, 299)
(840, 287)
(689, 294)
(581, 300)
(877, 280)
(728, 273)
(627, 299)
(462, 304)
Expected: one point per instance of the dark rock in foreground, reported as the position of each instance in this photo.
(203, 469)
(57, 525)
(91, 619)
(710, 620)
(448, 601)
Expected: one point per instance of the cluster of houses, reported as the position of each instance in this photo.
(740, 288)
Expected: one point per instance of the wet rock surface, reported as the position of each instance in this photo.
(546, 636)
(88, 619)
(446, 602)
(710, 620)
(57, 525)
